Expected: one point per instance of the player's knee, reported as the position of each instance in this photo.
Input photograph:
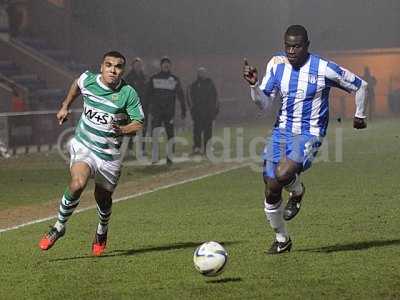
(284, 177)
(77, 185)
(272, 185)
(286, 171)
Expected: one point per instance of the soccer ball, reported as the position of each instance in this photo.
(210, 259)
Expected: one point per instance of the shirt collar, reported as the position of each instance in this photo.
(102, 85)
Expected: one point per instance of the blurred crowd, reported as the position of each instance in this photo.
(158, 94)
(23, 91)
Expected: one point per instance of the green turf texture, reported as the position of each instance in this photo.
(346, 238)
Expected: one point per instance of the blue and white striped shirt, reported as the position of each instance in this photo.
(304, 92)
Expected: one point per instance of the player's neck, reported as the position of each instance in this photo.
(302, 62)
(109, 85)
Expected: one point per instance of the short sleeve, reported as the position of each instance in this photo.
(82, 78)
(268, 83)
(134, 107)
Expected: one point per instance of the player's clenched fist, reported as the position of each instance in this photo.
(62, 115)
(249, 73)
(359, 123)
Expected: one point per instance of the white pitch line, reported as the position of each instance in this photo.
(128, 197)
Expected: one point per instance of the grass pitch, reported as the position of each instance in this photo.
(346, 237)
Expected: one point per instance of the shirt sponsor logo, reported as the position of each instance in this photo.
(98, 117)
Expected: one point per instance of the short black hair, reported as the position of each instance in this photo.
(115, 54)
(297, 30)
(165, 59)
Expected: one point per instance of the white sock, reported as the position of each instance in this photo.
(102, 229)
(295, 186)
(59, 226)
(274, 213)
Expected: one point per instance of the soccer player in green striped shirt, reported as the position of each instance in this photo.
(111, 109)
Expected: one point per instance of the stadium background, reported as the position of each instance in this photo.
(62, 38)
(346, 237)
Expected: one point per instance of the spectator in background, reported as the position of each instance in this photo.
(163, 88)
(18, 17)
(4, 152)
(371, 80)
(4, 22)
(393, 97)
(137, 79)
(17, 100)
(204, 107)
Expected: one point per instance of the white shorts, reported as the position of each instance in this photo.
(105, 173)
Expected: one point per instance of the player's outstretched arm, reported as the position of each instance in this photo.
(350, 83)
(73, 93)
(259, 97)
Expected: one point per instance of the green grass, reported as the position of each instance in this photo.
(346, 242)
(40, 178)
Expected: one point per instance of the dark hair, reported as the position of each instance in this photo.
(165, 59)
(115, 54)
(297, 30)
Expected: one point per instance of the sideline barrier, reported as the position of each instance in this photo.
(33, 131)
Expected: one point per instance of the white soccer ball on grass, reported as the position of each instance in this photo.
(210, 258)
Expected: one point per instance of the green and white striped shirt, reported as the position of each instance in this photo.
(103, 107)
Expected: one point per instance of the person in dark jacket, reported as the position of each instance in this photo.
(137, 79)
(204, 107)
(163, 88)
(371, 80)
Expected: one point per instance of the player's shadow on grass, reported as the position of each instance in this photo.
(129, 252)
(351, 246)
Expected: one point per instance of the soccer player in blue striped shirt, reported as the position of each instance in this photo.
(302, 81)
